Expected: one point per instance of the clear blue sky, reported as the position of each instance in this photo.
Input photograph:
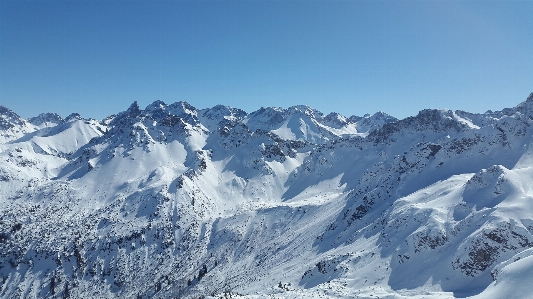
(352, 57)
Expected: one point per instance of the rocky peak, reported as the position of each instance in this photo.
(157, 110)
(156, 106)
(377, 119)
(433, 120)
(530, 98)
(336, 119)
(133, 110)
(305, 110)
(266, 116)
(437, 120)
(47, 118)
(72, 117)
(182, 108)
(154, 207)
(8, 118)
(220, 112)
(383, 115)
(272, 116)
(524, 108)
(6, 111)
(354, 118)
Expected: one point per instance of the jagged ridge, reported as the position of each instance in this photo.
(172, 201)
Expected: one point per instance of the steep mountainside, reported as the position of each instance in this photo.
(175, 202)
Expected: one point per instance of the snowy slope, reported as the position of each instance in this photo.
(174, 202)
(307, 124)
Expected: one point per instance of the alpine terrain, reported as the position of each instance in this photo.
(171, 201)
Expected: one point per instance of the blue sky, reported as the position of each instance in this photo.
(351, 57)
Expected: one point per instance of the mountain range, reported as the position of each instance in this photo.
(171, 201)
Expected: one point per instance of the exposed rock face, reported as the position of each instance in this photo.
(171, 201)
(43, 118)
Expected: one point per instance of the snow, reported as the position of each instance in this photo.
(465, 120)
(513, 279)
(171, 201)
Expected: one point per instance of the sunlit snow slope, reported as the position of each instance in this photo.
(171, 201)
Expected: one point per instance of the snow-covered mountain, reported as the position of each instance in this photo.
(174, 202)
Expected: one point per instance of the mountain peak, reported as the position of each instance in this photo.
(282, 202)
(336, 118)
(157, 105)
(73, 116)
(134, 109)
(6, 112)
(44, 118)
(8, 118)
(304, 109)
(530, 98)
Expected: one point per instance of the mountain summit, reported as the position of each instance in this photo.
(171, 201)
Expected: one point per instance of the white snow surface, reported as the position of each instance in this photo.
(174, 202)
